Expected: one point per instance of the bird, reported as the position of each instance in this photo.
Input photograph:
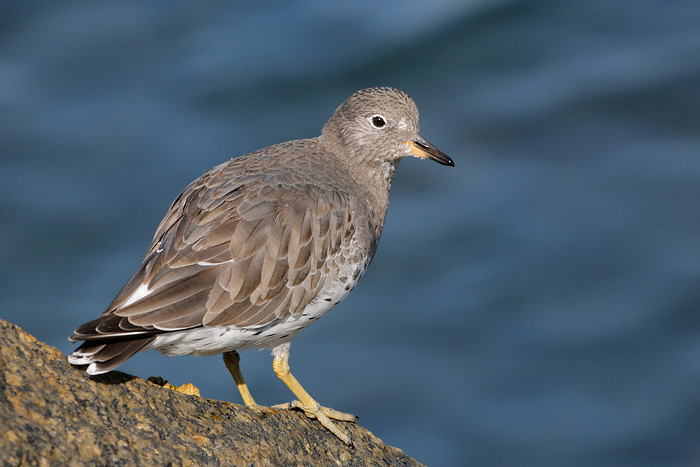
(261, 246)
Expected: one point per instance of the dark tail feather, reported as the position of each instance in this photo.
(103, 356)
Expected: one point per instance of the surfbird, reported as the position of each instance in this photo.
(259, 247)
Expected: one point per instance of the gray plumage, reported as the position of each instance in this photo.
(257, 242)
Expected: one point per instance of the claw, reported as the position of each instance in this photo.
(311, 412)
(323, 415)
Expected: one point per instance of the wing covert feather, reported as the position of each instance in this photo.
(232, 252)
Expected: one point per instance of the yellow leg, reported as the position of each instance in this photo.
(232, 362)
(311, 408)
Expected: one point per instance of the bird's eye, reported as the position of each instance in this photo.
(377, 121)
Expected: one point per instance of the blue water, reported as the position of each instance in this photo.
(536, 305)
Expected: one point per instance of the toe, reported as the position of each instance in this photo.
(188, 388)
(340, 416)
(324, 416)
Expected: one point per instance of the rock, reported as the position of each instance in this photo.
(53, 414)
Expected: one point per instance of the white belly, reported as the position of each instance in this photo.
(218, 339)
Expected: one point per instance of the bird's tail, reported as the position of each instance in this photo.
(102, 356)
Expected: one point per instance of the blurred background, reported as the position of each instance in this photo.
(538, 304)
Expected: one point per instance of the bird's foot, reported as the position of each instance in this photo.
(324, 416)
(187, 388)
(311, 413)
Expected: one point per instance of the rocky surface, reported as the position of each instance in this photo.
(53, 414)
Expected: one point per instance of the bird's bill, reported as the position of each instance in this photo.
(424, 149)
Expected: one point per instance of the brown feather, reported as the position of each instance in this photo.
(274, 246)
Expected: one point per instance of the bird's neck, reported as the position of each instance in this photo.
(372, 175)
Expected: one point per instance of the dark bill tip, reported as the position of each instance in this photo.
(424, 149)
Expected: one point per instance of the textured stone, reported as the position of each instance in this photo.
(53, 414)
